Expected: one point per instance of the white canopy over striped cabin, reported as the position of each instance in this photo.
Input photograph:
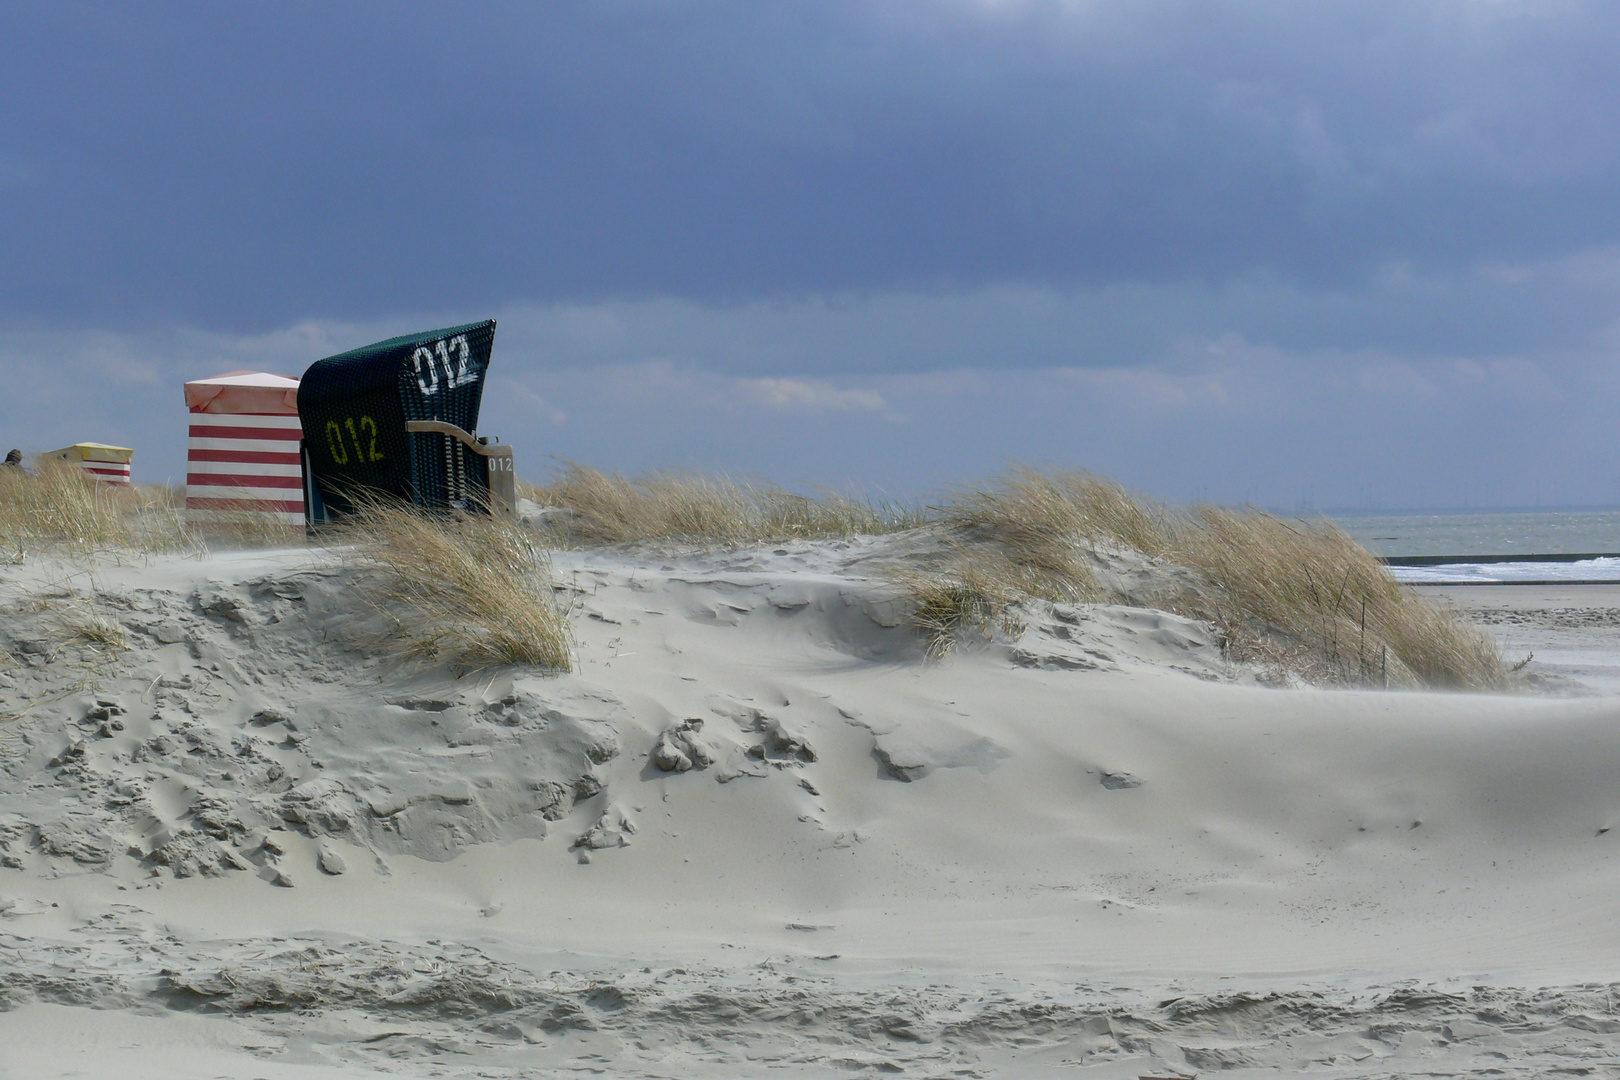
(243, 450)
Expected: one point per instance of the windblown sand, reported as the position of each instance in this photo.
(759, 832)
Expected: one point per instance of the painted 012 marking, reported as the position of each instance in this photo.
(339, 448)
(428, 363)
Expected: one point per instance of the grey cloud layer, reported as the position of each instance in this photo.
(1257, 250)
(243, 169)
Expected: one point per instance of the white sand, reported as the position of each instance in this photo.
(1573, 631)
(1095, 849)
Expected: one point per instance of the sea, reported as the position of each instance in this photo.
(1470, 535)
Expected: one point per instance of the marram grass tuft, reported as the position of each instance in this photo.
(58, 509)
(604, 508)
(473, 592)
(1299, 596)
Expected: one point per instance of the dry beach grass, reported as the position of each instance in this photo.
(60, 510)
(473, 592)
(605, 508)
(1311, 595)
(1299, 596)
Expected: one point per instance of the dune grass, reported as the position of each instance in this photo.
(1043, 519)
(604, 508)
(1294, 595)
(474, 592)
(1334, 612)
(59, 509)
(1300, 596)
(974, 593)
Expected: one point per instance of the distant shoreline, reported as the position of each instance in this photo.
(1461, 560)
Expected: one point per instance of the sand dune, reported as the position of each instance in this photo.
(759, 828)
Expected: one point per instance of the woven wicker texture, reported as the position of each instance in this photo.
(354, 406)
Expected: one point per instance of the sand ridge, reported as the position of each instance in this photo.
(1009, 860)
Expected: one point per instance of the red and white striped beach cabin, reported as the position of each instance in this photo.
(243, 453)
(109, 464)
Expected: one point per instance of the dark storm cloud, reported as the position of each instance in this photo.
(244, 167)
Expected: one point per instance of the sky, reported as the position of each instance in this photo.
(1355, 255)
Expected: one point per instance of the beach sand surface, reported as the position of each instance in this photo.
(760, 831)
